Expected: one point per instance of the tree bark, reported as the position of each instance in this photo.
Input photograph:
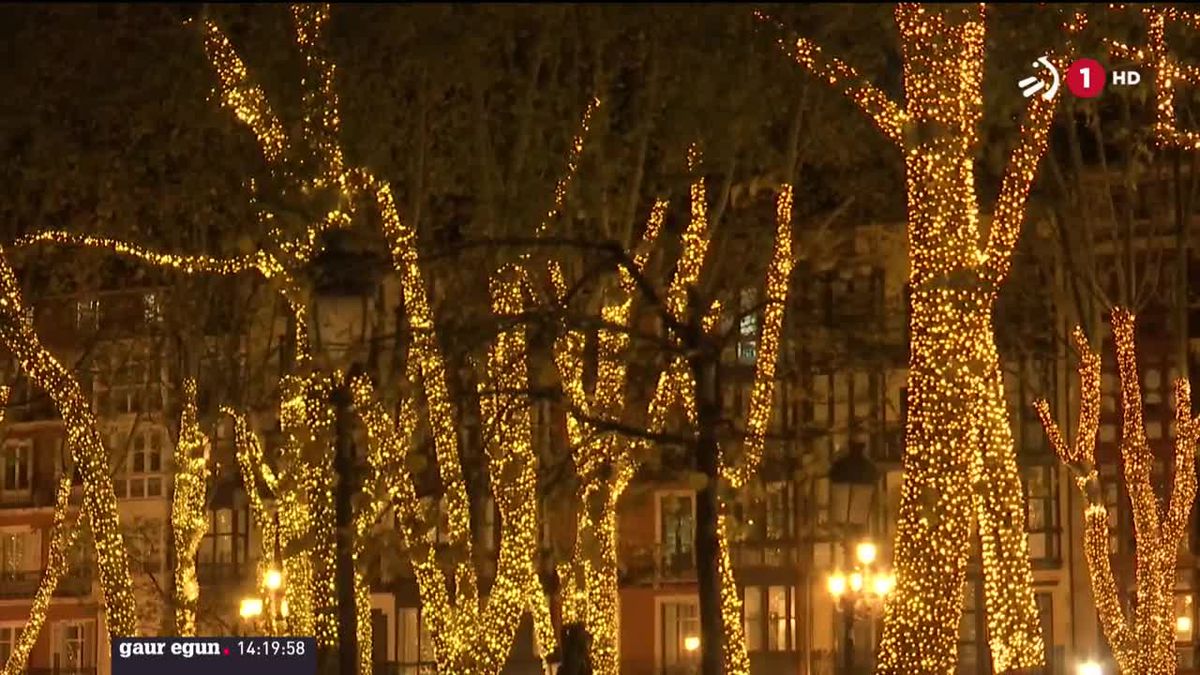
(706, 370)
(347, 622)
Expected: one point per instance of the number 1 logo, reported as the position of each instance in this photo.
(1085, 78)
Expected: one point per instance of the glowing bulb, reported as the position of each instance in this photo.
(1089, 668)
(691, 643)
(856, 582)
(836, 584)
(883, 584)
(866, 552)
(273, 579)
(250, 608)
(1183, 624)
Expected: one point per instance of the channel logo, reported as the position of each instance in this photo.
(1034, 83)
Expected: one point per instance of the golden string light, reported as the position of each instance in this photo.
(960, 464)
(478, 642)
(1142, 641)
(391, 441)
(307, 510)
(62, 537)
(244, 98)
(322, 123)
(1168, 75)
(189, 515)
(253, 467)
(83, 437)
(778, 281)
(431, 369)
(564, 183)
(590, 578)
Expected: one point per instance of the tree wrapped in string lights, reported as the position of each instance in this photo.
(960, 464)
(1142, 639)
(475, 638)
(1169, 72)
(189, 517)
(605, 462)
(87, 448)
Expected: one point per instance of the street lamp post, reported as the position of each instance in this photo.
(853, 482)
(346, 281)
(859, 592)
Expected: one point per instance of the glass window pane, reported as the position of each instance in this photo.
(752, 604)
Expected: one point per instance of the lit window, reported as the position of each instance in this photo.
(487, 524)
(416, 647)
(152, 308)
(679, 628)
(676, 531)
(752, 604)
(747, 343)
(781, 621)
(143, 474)
(75, 646)
(8, 637)
(20, 552)
(16, 467)
(1041, 499)
(87, 314)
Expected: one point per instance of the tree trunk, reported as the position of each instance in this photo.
(705, 369)
(347, 621)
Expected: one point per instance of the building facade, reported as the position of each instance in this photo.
(840, 388)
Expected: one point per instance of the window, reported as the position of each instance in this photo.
(142, 475)
(16, 467)
(970, 634)
(129, 380)
(415, 651)
(75, 645)
(227, 542)
(1045, 607)
(752, 609)
(8, 637)
(747, 343)
(152, 308)
(775, 629)
(439, 532)
(676, 530)
(767, 524)
(146, 544)
(543, 429)
(87, 314)
(20, 552)
(487, 524)
(1185, 620)
(679, 637)
(1041, 499)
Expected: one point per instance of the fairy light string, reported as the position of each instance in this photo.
(1142, 641)
(590, 577)
(189, 516)
(253, 468)
(83, 436)
(960, 464)
(63, 534)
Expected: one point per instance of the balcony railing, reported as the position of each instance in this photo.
(41, 493)
(223, 573)
(24, 584)
(19, 584)
(659, 564)
(74, 584)
(759, 553)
